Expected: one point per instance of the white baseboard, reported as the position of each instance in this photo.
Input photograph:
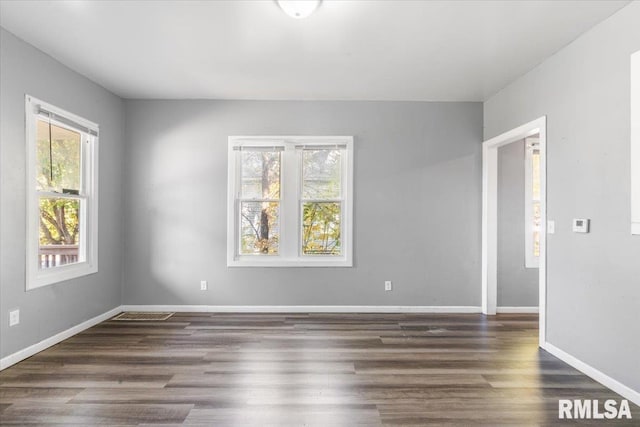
(304, 308)
(530, 310)
(590, 371)
(20, 355)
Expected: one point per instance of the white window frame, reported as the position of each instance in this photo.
(530, 260)
(37, 277)
(290, 201)
(635, 143)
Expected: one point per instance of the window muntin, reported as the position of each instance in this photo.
(290, 201)
(62, 195)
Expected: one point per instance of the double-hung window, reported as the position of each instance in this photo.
(290, 201)
(62, 221)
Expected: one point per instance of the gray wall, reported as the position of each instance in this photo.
(593, 295)
(417, 203)
(517, 285)
(48, 310)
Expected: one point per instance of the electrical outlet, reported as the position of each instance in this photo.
(203, 285)
(14, 317)
(387, 285)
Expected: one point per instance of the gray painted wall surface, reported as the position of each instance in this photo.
(417, 203)
(52, 309)
(593, 297)
(517, 285)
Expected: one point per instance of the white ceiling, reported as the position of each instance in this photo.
(364, 50)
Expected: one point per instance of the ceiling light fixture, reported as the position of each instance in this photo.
(298, 9)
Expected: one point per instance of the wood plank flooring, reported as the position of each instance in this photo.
(210, 369)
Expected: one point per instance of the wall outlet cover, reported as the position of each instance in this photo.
(14, 317)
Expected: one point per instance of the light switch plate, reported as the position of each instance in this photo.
(551, 227)
(581, 225)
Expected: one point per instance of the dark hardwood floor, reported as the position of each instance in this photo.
(299, 369)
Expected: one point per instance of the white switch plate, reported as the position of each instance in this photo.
(551, 227)
(581, 225)
(14, 317)
(203, 285)
(387, 285)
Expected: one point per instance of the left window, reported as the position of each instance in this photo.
(62, 194)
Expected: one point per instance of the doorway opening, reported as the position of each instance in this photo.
(534, 130)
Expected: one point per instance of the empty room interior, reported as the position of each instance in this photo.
(320, 212)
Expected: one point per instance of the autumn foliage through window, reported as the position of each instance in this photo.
(62, 194)
(290, 200)
(59, 162)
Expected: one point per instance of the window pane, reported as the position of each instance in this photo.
(321, 228)
(536, 228)
(535, 182)
(58, 158)
(321, 170)
(259, 228)
(260, 174)
(535, 169)
(59, 232)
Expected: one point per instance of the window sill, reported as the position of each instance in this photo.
(60, 274)
(292, 262)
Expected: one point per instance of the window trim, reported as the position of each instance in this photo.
(290, 194)
(530, 260)
(36, 278)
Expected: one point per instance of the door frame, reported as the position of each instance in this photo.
(490, 217)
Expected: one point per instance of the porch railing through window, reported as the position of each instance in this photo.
(57, 255)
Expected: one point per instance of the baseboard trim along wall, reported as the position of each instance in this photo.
(20, 355)
(305, 308)
(590, 371)
(523, 310)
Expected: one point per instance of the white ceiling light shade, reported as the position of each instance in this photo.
(298, 9)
